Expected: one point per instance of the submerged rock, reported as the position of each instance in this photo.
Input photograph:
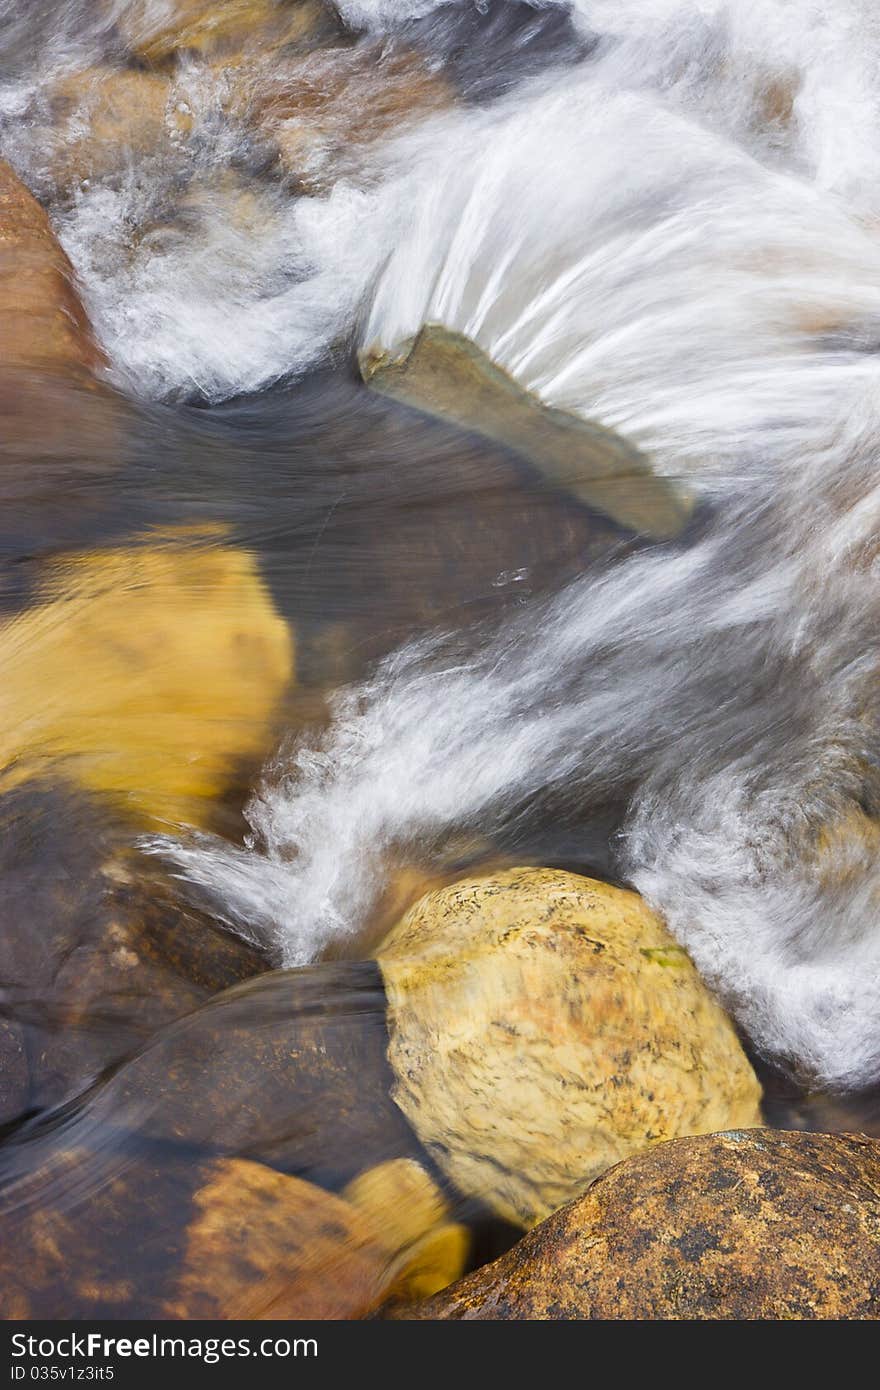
(132, 1236)
(98, 948)
(445, 374)
(100, 118)
(411, 1214)
(14, 1078)
(321, 111)
(146, 672)
(744, 1225)
(43, 325)
(289, 1069)
(158, 31)
(543, 1026)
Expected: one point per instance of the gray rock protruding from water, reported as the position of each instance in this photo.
(447, 375)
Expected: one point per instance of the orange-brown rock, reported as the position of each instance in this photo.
(98, 118)
(111, 1234)
(755, 1224)
(155, 30)
(42, 321)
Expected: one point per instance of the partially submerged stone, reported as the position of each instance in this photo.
(543, 1026)
(43, 325)
(412, 1218)
(744, 1225)
(147, 672)
(446, 374)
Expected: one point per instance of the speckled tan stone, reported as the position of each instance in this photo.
(759, 1224)
(542, 1027)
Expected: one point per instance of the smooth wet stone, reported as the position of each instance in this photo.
(444, 373)
(150, 673)
(543, 1026)
(14, 1076)
(156, 32)
(43, 325)
(289, 1069)
(412, 1215)
(98, 947)
(743, 1225)
(115, 1235)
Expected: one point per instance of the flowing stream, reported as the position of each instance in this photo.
(662, 215)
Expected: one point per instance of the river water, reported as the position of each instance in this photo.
(663, 215)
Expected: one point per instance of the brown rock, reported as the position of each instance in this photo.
(42, 322)
(98, 949)
(98, 118)
(118, 1235)
(322, 110)
(155, 32)
(14, 1078)
(289, 1069)
(744, 1225)
(542, 1026)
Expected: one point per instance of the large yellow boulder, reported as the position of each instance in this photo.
(544, 1026)
(147, 672)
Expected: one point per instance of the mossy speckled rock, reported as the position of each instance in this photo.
(542, 1027)
(760, 1225)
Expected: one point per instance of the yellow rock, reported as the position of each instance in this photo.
(147, 672)
(447, 375)
(410, 1215)
(156, 29)
(542, 1027)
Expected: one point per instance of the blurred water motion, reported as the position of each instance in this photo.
(279, 653)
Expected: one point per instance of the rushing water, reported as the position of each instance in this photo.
(660, 214)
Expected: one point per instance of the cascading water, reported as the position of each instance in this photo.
(672, 229)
